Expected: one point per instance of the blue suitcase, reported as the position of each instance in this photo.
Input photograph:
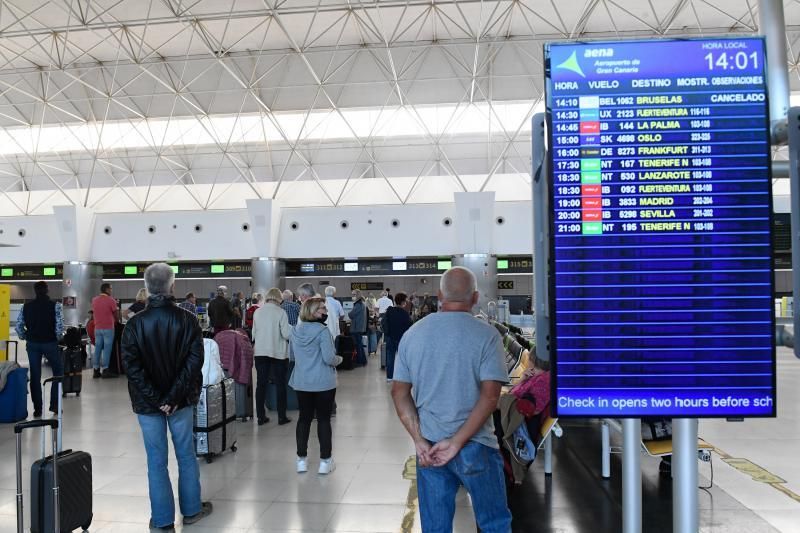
(272, 397)
(14, 396)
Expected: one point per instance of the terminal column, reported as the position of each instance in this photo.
(484, 266)
(475, 222)
(82, 279)
(267, 272)
(265, 221)
(82, 282)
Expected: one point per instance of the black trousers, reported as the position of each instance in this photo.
(321, 404)
(275, 370)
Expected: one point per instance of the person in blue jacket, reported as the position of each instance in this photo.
(314, 379)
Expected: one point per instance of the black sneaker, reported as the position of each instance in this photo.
(170, 527)
(205, 509)
(284, 421)
(96, 373)
(109, 374)
(37, 414)
(262, 421)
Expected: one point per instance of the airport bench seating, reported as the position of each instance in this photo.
(550, 425)
(653, 448)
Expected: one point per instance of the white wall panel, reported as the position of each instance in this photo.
(420, 232)
(174, 238)
(41, 242)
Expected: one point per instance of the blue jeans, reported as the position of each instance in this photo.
(53, 354)
(372, 341)
(162, 500)
(104, 344)
(391, 352)
(480, 469)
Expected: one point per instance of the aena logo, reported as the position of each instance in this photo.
(572, 64)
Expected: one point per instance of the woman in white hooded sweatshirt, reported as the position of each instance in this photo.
(271, 332)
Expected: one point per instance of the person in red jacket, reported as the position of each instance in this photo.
(236, 356)
(90, 327)
(255, 302)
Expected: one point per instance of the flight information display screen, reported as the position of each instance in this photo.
(661, 285)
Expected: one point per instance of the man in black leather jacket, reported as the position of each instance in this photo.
(163, 351)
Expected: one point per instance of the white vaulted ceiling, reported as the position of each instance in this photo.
(139, 105)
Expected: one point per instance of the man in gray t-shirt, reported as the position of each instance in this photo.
(447, 379)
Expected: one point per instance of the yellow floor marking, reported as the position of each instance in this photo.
(758, 473)
(410, 473)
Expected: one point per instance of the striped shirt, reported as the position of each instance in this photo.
(292, 311)
(189, 306)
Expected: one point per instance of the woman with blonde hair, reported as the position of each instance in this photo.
(314, 379)
(271, 332)
(138, 306)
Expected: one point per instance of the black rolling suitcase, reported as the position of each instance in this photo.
(54, 488)
(67, 475)
(346, 349)
(73, 371)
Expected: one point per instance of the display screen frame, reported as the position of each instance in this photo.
(551, 278)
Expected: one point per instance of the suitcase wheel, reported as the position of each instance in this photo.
(234, 448)
(209, 459)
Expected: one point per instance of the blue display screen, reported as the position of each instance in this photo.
(661, 282)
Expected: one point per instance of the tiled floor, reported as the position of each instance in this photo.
(256, 488)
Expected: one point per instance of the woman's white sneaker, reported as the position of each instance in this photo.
(326, 466)
(302, 465)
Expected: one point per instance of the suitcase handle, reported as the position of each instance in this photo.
(16, 350)
(59, 380)
(22, 426)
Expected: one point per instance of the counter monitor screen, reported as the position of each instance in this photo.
(661, 281)
(131, 270)
(217, 269)
(444, 265)
(49, 271)
(7, 272)
(351, 267)
(398, 266)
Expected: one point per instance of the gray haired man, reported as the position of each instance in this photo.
(447, 379)
(163, 351)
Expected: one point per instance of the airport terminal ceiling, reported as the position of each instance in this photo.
(160, 105)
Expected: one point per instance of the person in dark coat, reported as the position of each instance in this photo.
(395, 323)
(163, 351)
(41, 324)
(358, 326)
(220, 311)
